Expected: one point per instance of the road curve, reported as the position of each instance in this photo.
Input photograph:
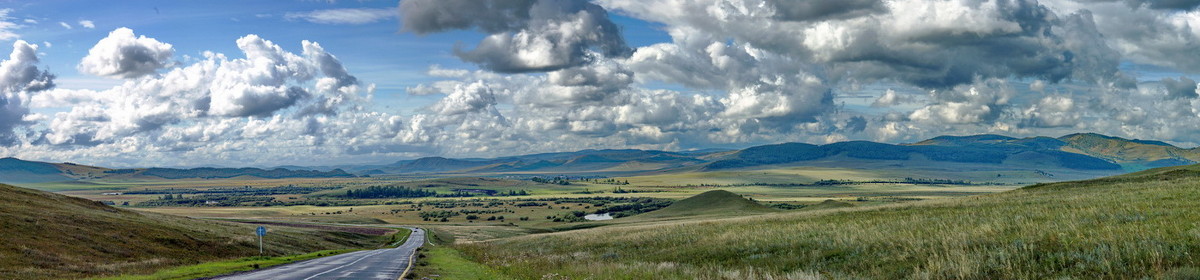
(367, 264)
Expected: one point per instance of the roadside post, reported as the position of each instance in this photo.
(261, 231)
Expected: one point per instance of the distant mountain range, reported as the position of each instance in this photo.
(1083, 151)
(14, 170)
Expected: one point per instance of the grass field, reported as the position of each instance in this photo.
(666, 185)
(438, 261)
(1128, 227)
(53, 236)
(407, 211)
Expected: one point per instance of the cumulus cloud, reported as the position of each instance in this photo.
(1151, 32)
(525, 36)
(931, 44)
(764, 88)
(343, 16)
(983, 102)
(1052, 111)
(1182, 88)
(555, 75)
(1183, 5)
(258, 85)
(215, 98)
(125, 55)
(471, 98)
(825, 10)
(87, 24)
(19, 78)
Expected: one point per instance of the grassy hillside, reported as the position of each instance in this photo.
(718, 202)
(974, 149)
(13, 170)
(1127, 227)
(47, 235)
(1139, 152)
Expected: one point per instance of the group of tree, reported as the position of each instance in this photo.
(389, 192)
(610, 181)
(513, 193)
(206, 200)
(558, 180)
(245, 190)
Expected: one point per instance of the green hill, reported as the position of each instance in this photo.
(717, 202)
(1136, 226)
(1142, 153)
(13, 170)
(51, 236)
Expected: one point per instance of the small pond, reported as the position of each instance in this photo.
(598, 217)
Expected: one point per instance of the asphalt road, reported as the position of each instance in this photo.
(368, 264)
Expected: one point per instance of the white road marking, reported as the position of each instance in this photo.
(344, 266)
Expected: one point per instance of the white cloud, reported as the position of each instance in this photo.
(980, 103)
(343, 16)
(216, 104)
(471, 98)
(7, 26)
(525, 36)
(556, 76)
(1052, 111)
(87, 24)
(65, 25)
(890, 98)
(125, 55)
(19, 79)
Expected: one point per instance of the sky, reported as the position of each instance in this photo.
(269, 83)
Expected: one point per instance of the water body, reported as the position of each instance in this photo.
(598, 217)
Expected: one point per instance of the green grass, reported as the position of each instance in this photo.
(53, 236)
(716, 202)
(440, 261)
(211, 269)
(1130, 227)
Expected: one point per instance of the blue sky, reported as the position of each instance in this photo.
(133, 86)
(378, 51)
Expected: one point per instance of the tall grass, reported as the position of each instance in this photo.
(1106, 229)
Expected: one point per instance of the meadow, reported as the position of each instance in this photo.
(323, 200)
(1143, 225)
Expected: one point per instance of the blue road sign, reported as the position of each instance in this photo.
(261, 231)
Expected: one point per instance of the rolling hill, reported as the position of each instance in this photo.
(716, 202)
(985, 150)
(1086, 152)
(51, 236)
(16, 171)
(1143, 153)
(1090, 153)
(13, 170)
